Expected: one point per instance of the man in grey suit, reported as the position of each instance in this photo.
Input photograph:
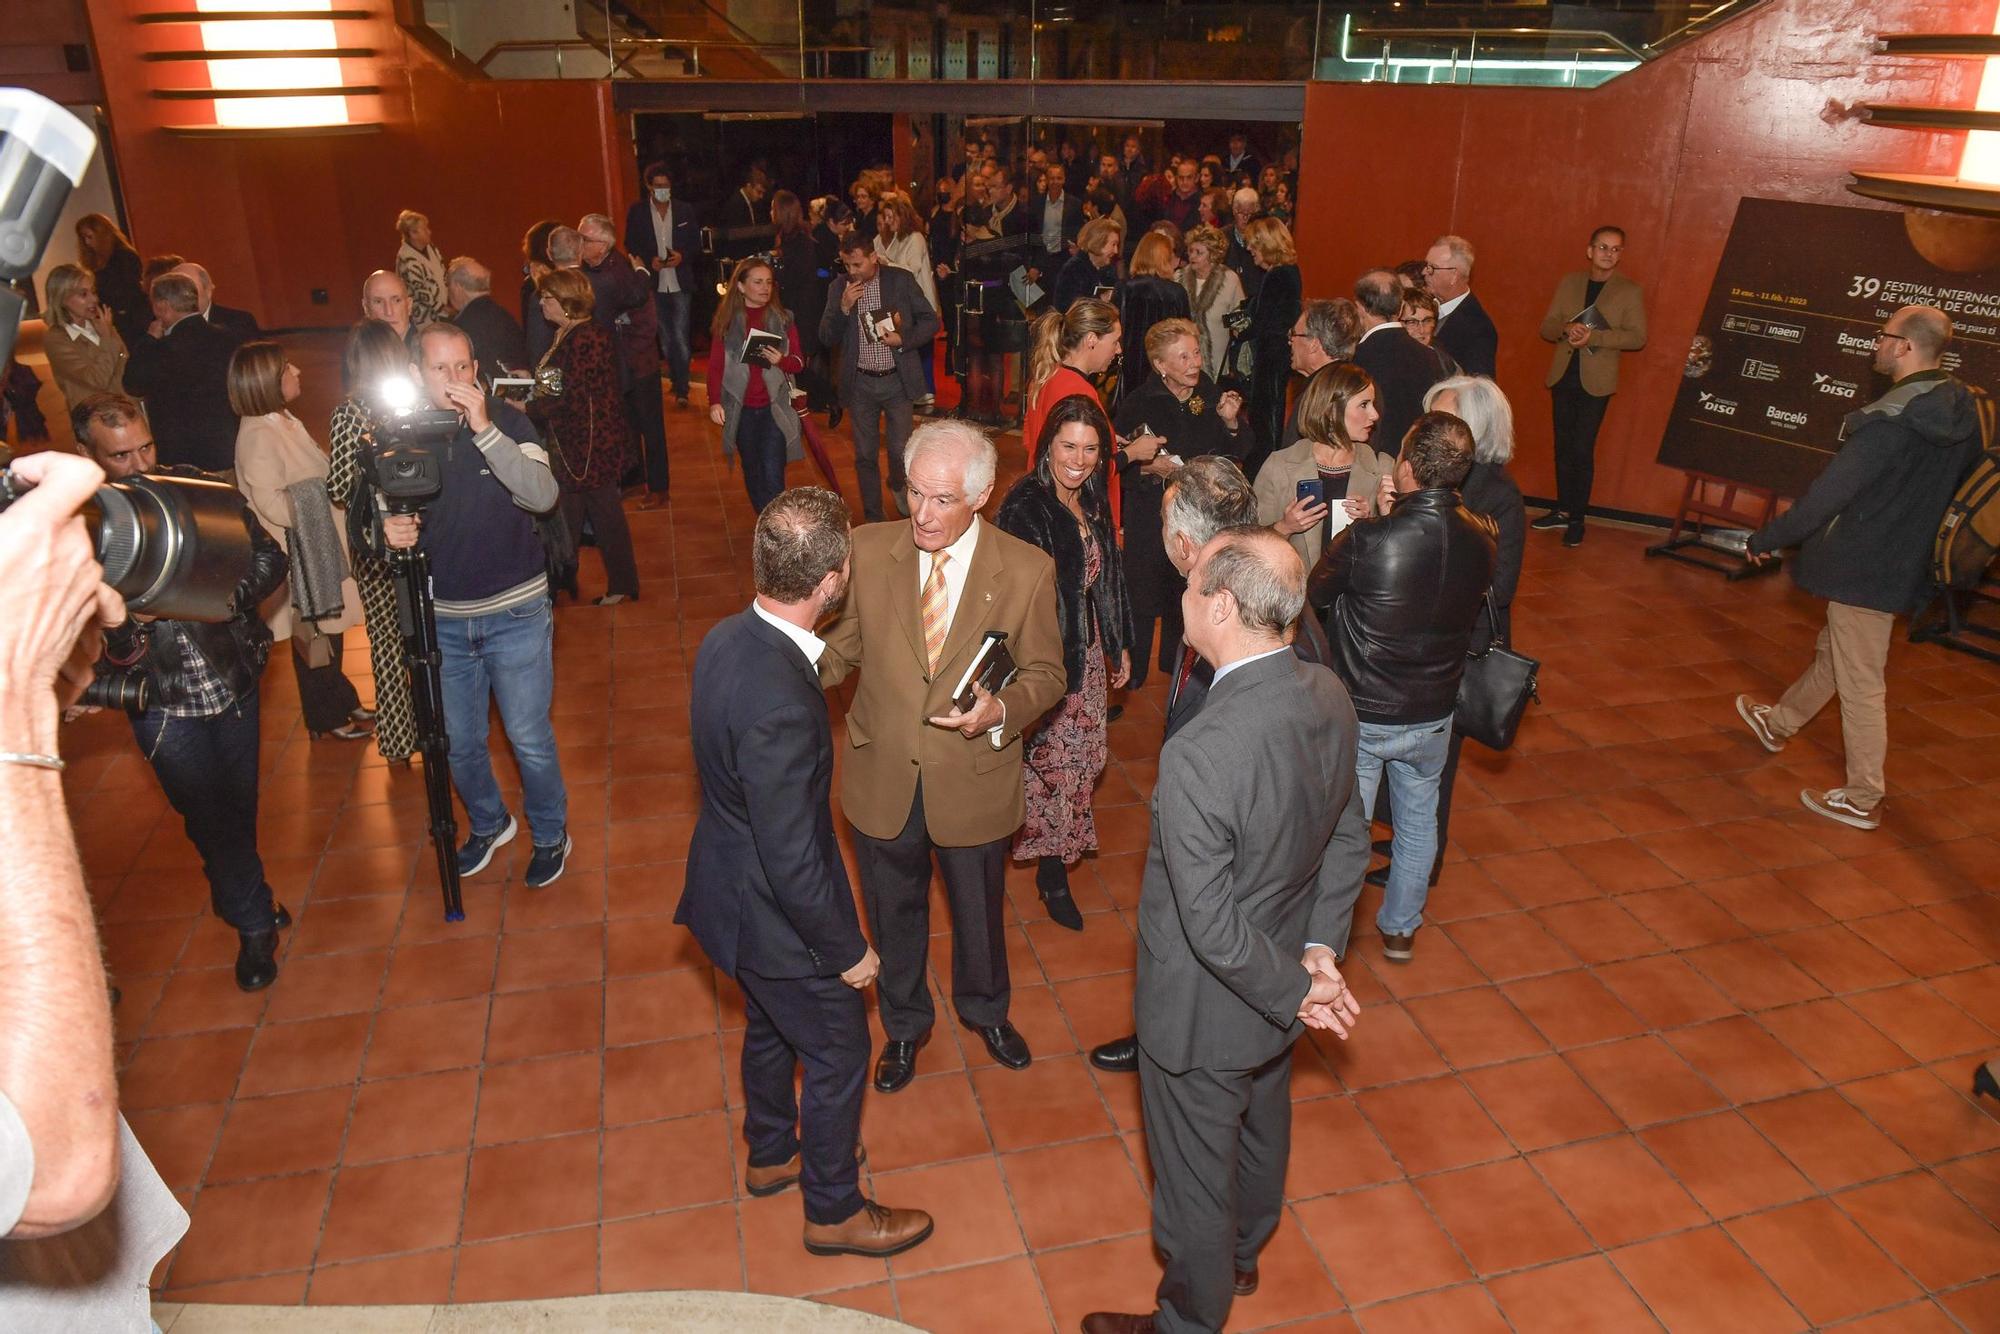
(879, 318)
(1240, 895)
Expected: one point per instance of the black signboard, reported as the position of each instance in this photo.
(1785, 348)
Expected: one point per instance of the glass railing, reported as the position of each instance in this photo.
(1415, 41)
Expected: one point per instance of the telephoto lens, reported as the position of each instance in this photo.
(174, 547)
(129, 691)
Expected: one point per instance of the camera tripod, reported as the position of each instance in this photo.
(416, 618)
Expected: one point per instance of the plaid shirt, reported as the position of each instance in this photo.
(207, 693)
(873, 355)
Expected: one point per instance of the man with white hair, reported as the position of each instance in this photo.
(1464, 328)
(497, 343)
(625, 309)
(923, 777)
(1244, 207)
(240, 325)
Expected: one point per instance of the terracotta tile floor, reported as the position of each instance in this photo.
(1672, 1050)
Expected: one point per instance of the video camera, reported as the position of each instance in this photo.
(404, 458)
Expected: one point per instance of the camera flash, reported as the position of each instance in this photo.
(397, 392)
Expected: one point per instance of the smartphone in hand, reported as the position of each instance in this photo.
(1312, 490)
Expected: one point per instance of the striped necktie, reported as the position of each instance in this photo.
(937, 611)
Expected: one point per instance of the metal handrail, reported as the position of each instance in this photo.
(1618, 45)
(691, 47)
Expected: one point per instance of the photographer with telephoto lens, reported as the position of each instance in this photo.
(191, 688)
(495, 625)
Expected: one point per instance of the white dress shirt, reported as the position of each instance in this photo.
(82, 331)
(663, 240)
(1445, 308)
(1386, 324)
(1221, 672)
(809, 643)
(955, 571)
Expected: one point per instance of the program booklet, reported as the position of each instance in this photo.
(875, 323)
(992, 667)
(757, 341)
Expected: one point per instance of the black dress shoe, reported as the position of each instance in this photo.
(1379, 876)
(1114, 713)
(256, 959)
(1006, 1045)
(1246, 1282)
(897, 1065)
(834, 416)
(282, 921)
(1120, 1056)
(1984, 1082)
(1063, 910)
(1383, 847)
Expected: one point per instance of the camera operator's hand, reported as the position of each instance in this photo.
(400, 530)
(54, 603)
(470, 400)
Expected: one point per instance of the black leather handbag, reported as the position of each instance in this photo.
(1495, 689)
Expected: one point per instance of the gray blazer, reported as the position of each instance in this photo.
(919, 323)
(1258, 847)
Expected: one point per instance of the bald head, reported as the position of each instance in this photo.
(385, 298)
(1243, 595)
(1912, 340)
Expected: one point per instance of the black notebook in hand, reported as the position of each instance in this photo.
(755, 343)
(992, 668)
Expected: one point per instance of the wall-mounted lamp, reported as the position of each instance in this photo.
(270, 65)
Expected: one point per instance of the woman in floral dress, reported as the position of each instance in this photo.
(1062, 508)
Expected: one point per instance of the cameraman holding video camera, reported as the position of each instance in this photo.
(495, 625)
(199, 724)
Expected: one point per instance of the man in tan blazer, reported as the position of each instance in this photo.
(1595, 315)
(921, 777)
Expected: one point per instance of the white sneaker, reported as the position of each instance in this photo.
(1758, 716)
(1835, 804)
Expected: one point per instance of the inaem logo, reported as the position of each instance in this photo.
(1826, 384)
(1721, 407)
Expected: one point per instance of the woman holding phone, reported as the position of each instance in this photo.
(1331, 477)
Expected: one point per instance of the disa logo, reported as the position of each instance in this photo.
(1721, 407)
(1784, 418)
(1826, 384)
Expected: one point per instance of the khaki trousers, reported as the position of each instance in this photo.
(1849, 661)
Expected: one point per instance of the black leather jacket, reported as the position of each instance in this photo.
(236, 649)
(1401, 593)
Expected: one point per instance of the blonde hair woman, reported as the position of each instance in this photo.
(1213, 291)
(1150, 294)
(421, 267)
(86, 354)
(1273, 311)
(274, 453)
(1093, 269)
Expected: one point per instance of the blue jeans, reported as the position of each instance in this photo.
(208, 769)
(507, 656)
(1413, 755)
(673, 308)
(760, 447)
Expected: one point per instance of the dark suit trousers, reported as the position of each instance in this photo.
(822, 1024)
(1219, 1141)
(642, 400)
(1577, 417)
(896, 887)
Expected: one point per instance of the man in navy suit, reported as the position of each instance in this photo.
(1464, 329)
(767, 894)
(663, 234)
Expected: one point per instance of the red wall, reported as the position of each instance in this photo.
(274, 218)
(1665, 152)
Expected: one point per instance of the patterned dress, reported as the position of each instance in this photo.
(395, 719)
(1065, 757)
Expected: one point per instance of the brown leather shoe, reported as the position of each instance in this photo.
(875, 1230)
(761, 1181)
(1246, 1281)
(1117, 1322)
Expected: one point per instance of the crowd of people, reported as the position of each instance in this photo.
(1296, 508)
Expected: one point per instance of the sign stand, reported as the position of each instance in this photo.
(1696, 511)
(1952, 625)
